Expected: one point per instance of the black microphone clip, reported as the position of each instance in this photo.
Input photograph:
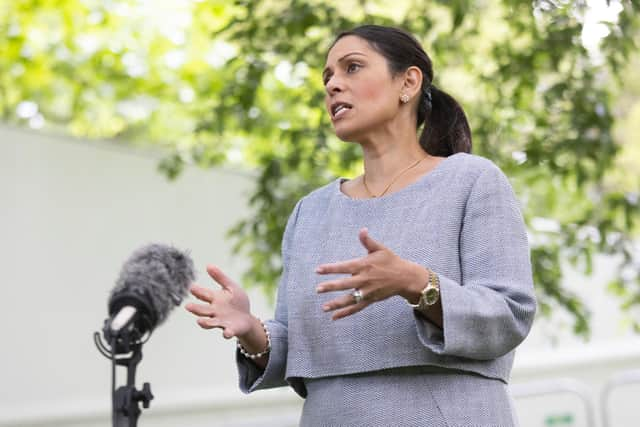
(131, 317)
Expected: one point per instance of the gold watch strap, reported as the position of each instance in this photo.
(431, 294)
(428, 285)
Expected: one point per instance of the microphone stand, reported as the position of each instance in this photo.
(126, 399)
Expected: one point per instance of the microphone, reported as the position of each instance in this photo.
(152, 281)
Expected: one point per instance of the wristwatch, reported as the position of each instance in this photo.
(430, 294)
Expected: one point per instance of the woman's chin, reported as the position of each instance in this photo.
(346, 135)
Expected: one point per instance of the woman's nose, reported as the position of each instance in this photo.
(333, 85)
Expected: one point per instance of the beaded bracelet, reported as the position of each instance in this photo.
(245, 353)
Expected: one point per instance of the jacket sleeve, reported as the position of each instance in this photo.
(251, 377)
(491, 310)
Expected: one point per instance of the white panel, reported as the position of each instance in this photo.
(76, 210)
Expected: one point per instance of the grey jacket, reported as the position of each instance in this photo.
(461, 220)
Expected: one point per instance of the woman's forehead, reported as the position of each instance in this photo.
(346, 46)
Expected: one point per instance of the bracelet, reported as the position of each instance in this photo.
(245, 353)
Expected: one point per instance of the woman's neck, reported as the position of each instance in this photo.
(383, 160)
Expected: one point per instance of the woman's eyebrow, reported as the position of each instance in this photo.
(324, 72)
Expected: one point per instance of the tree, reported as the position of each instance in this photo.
(242, 80)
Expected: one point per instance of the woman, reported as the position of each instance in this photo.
(405, 290)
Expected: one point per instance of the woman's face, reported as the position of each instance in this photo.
(361, 95)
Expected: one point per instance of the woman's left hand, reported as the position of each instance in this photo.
(379, 275)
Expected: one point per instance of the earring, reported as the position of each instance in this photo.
(404, 98)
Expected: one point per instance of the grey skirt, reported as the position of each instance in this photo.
(407, 397)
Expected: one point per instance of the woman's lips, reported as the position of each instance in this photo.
(338, 110)
(341, 112)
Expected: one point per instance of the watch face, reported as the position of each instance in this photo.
(431, 296)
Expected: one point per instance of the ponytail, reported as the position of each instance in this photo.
(446, 129)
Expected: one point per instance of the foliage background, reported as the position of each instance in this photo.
(550, 89)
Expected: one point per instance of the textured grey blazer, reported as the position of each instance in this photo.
(461, 220)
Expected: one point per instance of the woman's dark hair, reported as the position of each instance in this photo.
(446, 129)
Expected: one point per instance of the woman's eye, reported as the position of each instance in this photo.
(352, 67)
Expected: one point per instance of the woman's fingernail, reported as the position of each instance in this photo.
(325, 307)
(319, 270)
(319, 289)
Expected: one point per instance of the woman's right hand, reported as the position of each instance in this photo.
(228, 309)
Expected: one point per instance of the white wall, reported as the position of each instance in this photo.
(72, 211)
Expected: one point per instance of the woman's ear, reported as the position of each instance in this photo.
(412, 81)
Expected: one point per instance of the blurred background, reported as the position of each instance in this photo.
(201, 123)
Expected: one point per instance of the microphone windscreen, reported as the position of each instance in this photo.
(155, 278)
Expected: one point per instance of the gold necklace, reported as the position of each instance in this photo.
(411, 166)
